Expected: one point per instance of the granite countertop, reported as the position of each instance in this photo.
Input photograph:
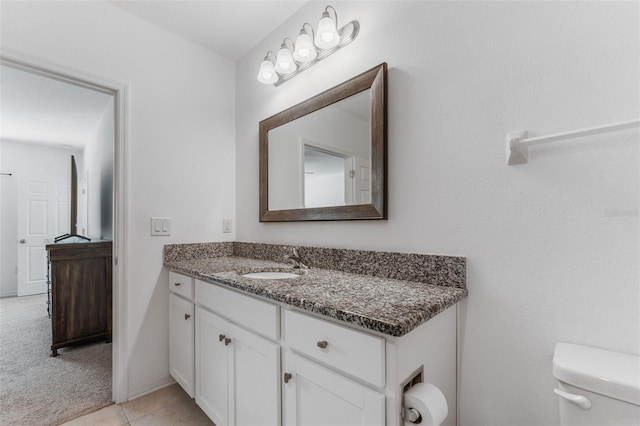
(390, 306)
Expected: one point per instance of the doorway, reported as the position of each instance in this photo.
(116, 217)
(333, 177)
(47, 125)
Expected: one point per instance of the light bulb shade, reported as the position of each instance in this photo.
(284, 62)
(267, 73)
(305, 50)
(327, 35)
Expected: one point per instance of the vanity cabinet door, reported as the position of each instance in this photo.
(237, 373)
(212, 365)
(315, 395)
(255, 388)
(181, 342)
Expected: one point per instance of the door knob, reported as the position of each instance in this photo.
(23, 241)
(287, 377)
(187, 316)
(221, 337)
(227, 341)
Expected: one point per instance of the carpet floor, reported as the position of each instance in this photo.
(37, 389)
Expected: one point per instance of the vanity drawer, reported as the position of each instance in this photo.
(181, 285)
(354, 352)
(254, 314)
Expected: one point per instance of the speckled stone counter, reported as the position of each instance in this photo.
(388, 305)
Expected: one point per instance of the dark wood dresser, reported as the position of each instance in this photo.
(80, 292)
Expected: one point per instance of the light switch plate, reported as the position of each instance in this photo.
(160, 226)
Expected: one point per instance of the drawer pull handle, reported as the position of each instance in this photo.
(227, 341)
(287, 377)
(322, 344)
(177, 284)
(187, 316)
(221, 337)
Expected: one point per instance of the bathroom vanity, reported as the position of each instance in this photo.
(323, 347)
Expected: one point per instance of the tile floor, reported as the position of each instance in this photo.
(165, 407)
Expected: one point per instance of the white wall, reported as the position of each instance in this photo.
(552, 245)
(98, 176)
(180, 145)
(24, 160)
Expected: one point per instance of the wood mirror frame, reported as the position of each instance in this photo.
(374, 79)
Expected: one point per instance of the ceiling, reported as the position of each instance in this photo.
(41, 110)
(230, 28)
(38, 109)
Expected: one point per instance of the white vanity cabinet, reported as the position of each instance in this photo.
(317, 395)
(262, 362)
(237, 370)
(339, 375)
(181, 331)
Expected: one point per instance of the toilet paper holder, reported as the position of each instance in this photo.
(422, 402)
(411, 415)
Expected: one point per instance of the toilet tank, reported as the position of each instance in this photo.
(596, 386)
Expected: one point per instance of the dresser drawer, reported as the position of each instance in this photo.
(254, 314)
(352, 351)
(181, 285)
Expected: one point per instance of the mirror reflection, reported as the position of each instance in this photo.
(325, 158)
(322, 159)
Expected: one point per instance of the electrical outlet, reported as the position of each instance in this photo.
(226, 226)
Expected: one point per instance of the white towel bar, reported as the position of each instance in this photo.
(518, 144)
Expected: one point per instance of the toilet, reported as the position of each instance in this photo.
(596, 386)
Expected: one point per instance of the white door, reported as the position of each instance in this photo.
(43, 214)
(255, 387)
(212, 365)
(181, 342)
(316, 396)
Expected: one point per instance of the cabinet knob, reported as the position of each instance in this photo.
(322, 344)
(177, 284)
(221, 337)
(287, 377)
(227, 341)
(187, 316)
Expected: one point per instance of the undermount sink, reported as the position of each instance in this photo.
(271, 275)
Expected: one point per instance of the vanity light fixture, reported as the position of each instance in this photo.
(308, 49)
(327, 35)
(305, 50)
(284, 61)
(267, 73)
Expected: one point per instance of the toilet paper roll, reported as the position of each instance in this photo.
(429, 401)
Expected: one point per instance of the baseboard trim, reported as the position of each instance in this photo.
(9, 294)
(149, 386)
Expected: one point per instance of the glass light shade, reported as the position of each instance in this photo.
(305, 50)
(327, 35)
(267, 73)
(284, 62)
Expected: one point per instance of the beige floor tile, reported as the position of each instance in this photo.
(148, 404)
(170, 406)
(178, 412)
(113, 415)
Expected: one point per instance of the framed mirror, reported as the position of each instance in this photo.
(325, 158)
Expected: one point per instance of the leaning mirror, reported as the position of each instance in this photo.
(325, 158)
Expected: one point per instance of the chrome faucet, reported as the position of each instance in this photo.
(296, 259)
